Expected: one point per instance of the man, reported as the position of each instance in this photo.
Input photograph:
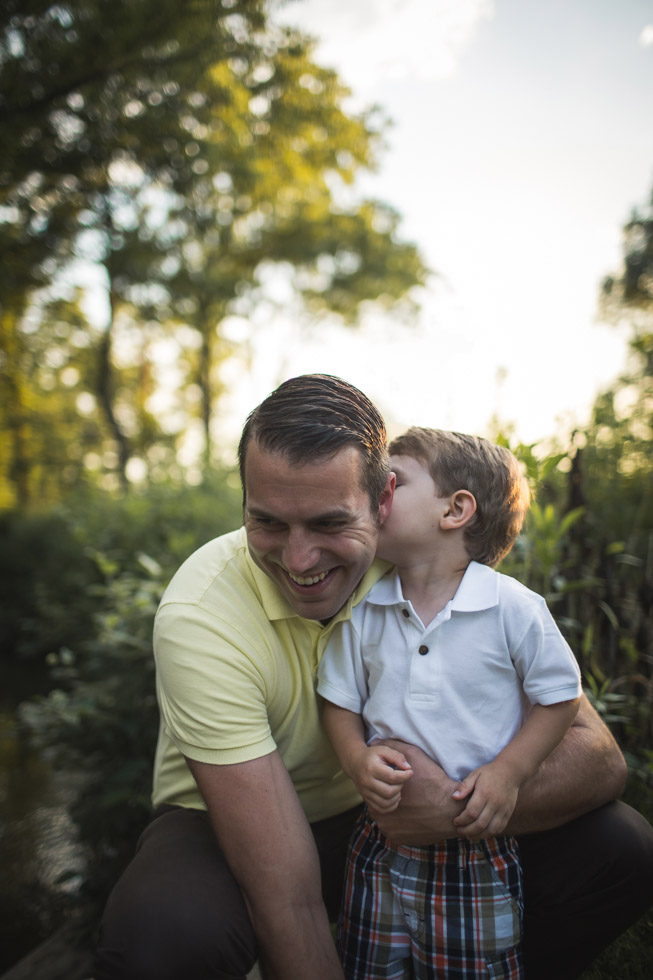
(245, 855)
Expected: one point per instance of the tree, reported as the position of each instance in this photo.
(179, 166)
(83, 87)
(82, 83)
(615, 472)
(623, 414)
(49, 365)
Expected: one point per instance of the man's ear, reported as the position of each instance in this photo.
(460, 509)
(385, 503)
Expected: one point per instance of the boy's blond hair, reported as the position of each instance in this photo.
(457, 461)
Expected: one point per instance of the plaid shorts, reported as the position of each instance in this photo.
(450, 911)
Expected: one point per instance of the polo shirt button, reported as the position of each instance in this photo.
(405, 613)
(422, 650)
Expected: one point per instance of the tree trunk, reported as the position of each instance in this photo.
(105, 390)
(206, 355)
(12, 390)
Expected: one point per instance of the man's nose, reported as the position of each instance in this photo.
(300, 552)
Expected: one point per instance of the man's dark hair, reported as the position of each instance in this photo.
(310, 418)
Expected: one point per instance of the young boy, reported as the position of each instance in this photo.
(447, 654)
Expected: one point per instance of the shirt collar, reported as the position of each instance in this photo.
(478, 589)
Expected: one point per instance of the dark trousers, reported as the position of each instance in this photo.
(177, 912)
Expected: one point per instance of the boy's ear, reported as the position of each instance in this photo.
(460, 509)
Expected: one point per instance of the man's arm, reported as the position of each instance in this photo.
(269, 846)
(492, 790)
(584, 771)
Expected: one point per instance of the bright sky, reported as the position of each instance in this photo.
(522, 139)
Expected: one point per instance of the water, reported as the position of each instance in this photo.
(40, 860)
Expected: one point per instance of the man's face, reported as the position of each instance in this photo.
(311, 527)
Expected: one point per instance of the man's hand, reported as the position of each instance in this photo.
(379, 773)
(491, 792)
(427, 808)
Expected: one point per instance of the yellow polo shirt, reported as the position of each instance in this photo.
(236, 671)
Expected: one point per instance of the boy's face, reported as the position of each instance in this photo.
(415, 514)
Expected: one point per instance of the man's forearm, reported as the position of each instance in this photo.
(295, 944)
(582, 773)
(270, 849)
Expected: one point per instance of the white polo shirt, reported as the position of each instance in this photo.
(460, 687)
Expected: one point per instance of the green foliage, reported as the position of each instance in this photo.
(100, 718)
(175, 153)
(86, 83)
(573, 552)
(628, 958)
(44, 573)
(166, 521)
(103, 719)
(542, 559)
(588, 546)
(49, 565)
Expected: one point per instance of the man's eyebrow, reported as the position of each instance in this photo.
(257, 511)
(340, 514)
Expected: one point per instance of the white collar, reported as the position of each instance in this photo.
(479, 589)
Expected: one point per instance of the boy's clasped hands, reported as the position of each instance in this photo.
(491, 791)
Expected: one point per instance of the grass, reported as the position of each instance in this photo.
(630, 957)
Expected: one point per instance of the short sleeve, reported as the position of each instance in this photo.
(341, 676)
(211, 690)
(544, 660)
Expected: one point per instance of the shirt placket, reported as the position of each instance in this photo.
(422, 643)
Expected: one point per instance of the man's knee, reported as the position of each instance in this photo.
(177, 911)
(622, 840)
(167, 938)
(584, 884)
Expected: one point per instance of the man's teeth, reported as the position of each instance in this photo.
(308, 579)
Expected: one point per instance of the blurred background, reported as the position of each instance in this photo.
(446, 202)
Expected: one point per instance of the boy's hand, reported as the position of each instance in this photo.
(491, 792)
(379, 772)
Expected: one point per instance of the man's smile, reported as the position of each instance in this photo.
(308, 579)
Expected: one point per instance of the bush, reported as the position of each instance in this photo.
(48, 568)
(102, 720)
(101, 717)
(44, 576)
